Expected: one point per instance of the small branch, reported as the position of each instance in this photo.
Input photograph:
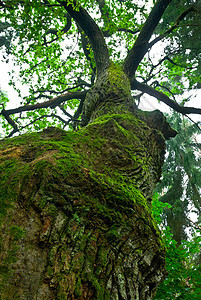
(50, 5)
(135, 85)
(36, 65)
(64, 30)
(104, 11)
(79, 110)
(165, 88)
(182, 66)
(80, 83)
(106, 19)
(46, 116)
(195, 225)
(128, 30)
(11, 133)
(86, 47)
(195, 123)
(65, 112)
(178, 20)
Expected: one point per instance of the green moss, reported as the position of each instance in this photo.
(102, 256)
(50, 271)
(118, 80)
(78, 287)
(16, 232)
(79, 165)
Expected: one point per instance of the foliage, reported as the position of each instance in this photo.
(181, 182)
(182, 262)
(54, 54)
(183, 49)
(179, 195)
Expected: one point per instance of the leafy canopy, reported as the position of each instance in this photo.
(60, 47)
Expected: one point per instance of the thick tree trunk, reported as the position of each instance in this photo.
(75, 211)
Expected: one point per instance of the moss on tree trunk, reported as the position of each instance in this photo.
(75, 209)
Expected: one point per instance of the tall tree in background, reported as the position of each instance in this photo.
(180, 190)
(76, 221)
(180, 186)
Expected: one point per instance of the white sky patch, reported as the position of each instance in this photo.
(9, 90)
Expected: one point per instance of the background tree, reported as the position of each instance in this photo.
(180, 189)
(180, 186)
(92, 230)
(182, 261)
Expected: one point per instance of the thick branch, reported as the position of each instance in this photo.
(140, 47)
(163, 98)
(91, 29)
(52, 103)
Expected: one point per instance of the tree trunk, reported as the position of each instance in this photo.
(75, 216)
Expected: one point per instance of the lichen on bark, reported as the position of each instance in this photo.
(80, 203)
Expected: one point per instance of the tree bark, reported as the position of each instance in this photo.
(76, 219)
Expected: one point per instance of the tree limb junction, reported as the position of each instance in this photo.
(140, 46)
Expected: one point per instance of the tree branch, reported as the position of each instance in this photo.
(80, 83)
(106, 18)
(178, 20)
(135, 85)
(103, 9)
(140, 46)
(46, 116)
(194, 224)
(91, 29)
(64, 30)
(52, 103)
(9, 120)
(86, 47)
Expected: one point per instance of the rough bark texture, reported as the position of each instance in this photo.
(75, 209)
